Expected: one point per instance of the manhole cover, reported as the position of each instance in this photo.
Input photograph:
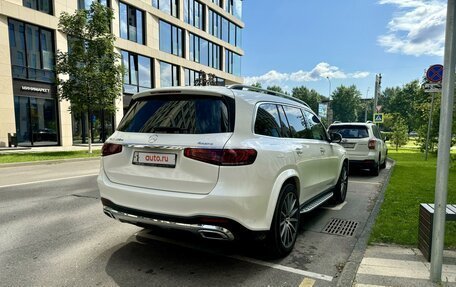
(341, 227)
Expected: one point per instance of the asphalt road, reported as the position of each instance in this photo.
(53, 233)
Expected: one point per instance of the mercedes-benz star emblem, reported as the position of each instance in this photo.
(153, 138)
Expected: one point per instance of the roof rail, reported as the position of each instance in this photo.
(266, 91)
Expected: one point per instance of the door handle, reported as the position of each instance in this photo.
(298, 150)
(322, 150)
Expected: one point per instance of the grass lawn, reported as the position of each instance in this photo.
(412, 183)
(38, 156)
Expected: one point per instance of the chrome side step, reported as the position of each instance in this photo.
(316, 203)
(206, 231)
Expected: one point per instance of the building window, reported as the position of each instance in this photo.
(44, 6)
(36, 121)
(131, 23)
(194, 13)
(169, 75)
(32, 52)
(234, 7)
(171, 39)
(190, 76)
(204, 52)
(170, 7)
(223, 29)
(217, 2)
(137, 72)
(232, 63)
(85, 4)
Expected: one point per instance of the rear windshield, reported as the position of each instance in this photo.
(183, 114)
(350, 131)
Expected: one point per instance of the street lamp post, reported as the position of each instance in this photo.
(329, 93)
(366, 104)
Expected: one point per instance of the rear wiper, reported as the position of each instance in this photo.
(174, 130)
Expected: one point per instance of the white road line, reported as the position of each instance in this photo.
(240, 258)
(284, 268)
(364, 182)
(47, 180)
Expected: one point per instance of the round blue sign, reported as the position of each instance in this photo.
(435, 73)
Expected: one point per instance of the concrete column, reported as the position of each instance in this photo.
(181, 76)
(118, 115)
(65, 122)
(116, 22)
(7, 119)
(156, 75)
(153, 30)
(180, 7)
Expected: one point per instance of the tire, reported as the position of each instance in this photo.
(383, 165)
(285, 223)
(340, 191)
(375, 169)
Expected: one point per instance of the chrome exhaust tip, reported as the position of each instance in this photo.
(213, 235)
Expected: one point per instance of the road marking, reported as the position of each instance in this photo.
(284, 268)
(307, 283)
(363, 182)
(337, 207)
(143, 234)
(47, 180)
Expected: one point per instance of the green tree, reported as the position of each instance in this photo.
(257, 85)
(89, 74)
(399, 132)
(345, 104)
(275, 88)
(311, 97)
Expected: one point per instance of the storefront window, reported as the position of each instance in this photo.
(101, 124)
(36, 121)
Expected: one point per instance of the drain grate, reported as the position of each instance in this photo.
(341, 227)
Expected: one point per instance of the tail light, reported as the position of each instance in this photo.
(110, 148)
(372, 143)
(226, 157)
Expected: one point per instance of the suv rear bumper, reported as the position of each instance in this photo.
(243, 210)
(206, 231)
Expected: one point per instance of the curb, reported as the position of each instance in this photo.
(41, 162)
(347, 277)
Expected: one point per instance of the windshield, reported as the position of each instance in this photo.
(350, 131)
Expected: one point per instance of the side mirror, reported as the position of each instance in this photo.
(335, 137)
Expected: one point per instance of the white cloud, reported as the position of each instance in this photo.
(321, 70)
(416, 29)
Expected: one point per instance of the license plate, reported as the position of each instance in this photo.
(154, 159)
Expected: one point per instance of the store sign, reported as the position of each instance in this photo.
(35, 89)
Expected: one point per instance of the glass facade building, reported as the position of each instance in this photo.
(161, 43)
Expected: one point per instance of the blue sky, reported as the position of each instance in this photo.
(299, 42)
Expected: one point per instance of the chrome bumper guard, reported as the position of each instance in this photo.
(204, 230)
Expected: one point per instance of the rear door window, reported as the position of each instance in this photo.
(267, 121)
(183, 114)
(296, 121)
(350, 131)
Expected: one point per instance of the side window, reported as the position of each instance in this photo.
(286, 132)
(267, 121)
(296, 121)
(316, 127)
(376, 132)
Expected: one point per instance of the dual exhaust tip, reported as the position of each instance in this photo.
(210, 232)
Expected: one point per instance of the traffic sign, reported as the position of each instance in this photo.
(435, 73)
(433, 88)
(378, 118)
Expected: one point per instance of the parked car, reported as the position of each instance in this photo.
(364, 144)
(221, 162)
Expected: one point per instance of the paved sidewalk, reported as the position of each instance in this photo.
(385, 265)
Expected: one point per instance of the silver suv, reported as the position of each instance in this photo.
(364, 145)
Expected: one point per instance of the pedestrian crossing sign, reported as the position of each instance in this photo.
(378, 118)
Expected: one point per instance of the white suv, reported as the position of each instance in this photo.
(364, 144)
(221, 162)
